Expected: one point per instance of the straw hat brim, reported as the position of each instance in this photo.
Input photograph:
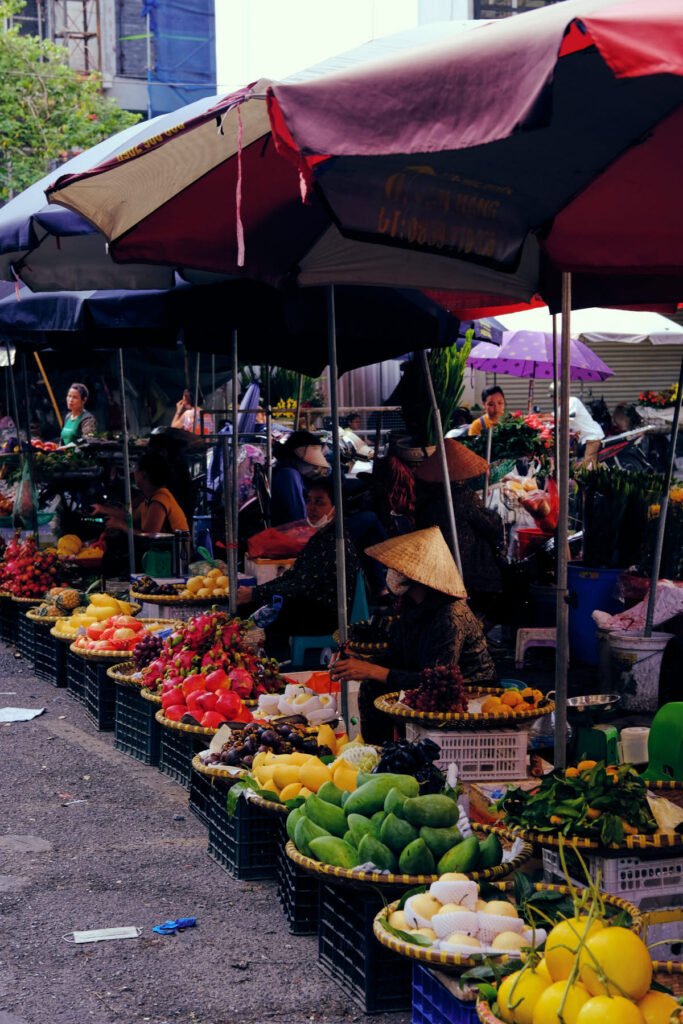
(422, 556)
(463, 464)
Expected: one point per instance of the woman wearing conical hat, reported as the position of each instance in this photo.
(435, 626)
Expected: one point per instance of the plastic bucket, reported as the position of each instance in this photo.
(529, 537)
(589, 589)
(636, 664)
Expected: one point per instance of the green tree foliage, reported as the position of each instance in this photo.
(47, 111)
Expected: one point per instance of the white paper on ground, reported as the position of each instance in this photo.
(102, 934)
(19, 714)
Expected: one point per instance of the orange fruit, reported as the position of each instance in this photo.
(512, 698)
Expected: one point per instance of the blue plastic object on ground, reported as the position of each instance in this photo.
(173, 927)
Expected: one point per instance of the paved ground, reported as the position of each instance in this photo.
(129, 854)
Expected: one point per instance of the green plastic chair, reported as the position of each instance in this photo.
(665, 745)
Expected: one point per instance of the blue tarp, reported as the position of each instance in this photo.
(185, 44)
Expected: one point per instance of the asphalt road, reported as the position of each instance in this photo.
(90, 838)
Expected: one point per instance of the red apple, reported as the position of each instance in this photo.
(216, 680)
(212, 720)
(124, 633)
(228, 704)
(172, 697)
(95, 630)
(193, 682)
(192, 699)
(175, 712)
(207, 701)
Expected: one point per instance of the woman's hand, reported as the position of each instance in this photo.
(245, 595)
(356, 668)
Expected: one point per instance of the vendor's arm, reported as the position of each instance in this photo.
(302, 580)
(359, 669)
(88, 425)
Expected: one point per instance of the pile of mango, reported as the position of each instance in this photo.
(386, 823)
(299, 775)
(101, 607)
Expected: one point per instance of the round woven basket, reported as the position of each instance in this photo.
(408, 881)
(99, 655)
(214, 772)
(123, 674)
(170, 599)
(153, 698)
(27, 602)
(388, 703)
(365, 648)
(42, 620)
(271, 806)
(200, 730)
(121, 655)
(657, 841)
(457, 961)
(60, 636)
(670, 974)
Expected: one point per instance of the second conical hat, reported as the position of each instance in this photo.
(463, 464)
(422, 556)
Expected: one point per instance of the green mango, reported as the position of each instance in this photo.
(490, 852)
(435, 810)
(440, 840)
(417, 859)
(370, 797)
(330, 850)
(370, 849)
(394, 802)
(345, 796)
(360, 826)
(396, 833)
(331, 794)
(327, 816)
(348, 838)
(463, 857)
(292, 819)
(378, 818)
(304, 831)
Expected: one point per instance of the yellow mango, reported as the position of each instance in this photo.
(264, 773)
(125, 607)
(342, 741)
(345, 777)
(265, 757)
(100, 612)
(326, 738)
(291, 791)
(270, 787)
(298, 758)
(285, 774)
(303, 792)
(104, 600)
(312, 775)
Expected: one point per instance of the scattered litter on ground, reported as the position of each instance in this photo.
(19, 714)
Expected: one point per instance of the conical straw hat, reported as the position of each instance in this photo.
(422, 556)
(463, 464)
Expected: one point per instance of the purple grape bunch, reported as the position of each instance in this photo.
(147, 650)
(441, 689)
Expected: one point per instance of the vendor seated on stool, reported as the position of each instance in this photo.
(435, 626)
(582, 424)
(309, 588)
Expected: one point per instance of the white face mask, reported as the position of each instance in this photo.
(324, 521)
(397, 583)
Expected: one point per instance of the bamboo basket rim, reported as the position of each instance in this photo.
(98, 655)
(147, 694)
(388, 704)
(199, 730)
(46, 620)
(641, 841)
(442, 958)
(379, 878)
(170, 599)
(267, 805)
(167, 623)
(214, 772)
(114, 672)
(27, 600)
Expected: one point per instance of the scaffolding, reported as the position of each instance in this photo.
(76, 26)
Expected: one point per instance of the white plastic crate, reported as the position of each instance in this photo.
(479, 755)
(635, 878)
(664, 925)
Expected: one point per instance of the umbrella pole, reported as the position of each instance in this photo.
(299, 399)
(213, 377)
(530, 395)
(489, 443)
(555, 393)
(441, 446)
(29, 447)
(126, 470)
(51, 394)
(269, 429)
(13, 389)
(196, 394)
(663, 509)
(342, 616)
(562, 537)
(235, 470)
(227, 515)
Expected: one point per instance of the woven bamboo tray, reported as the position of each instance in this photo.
(215, 772)
(42, 620)
(98, 655)
(163, 623)
(459, 962)
(268, 805)
(365, 648)
(380, 878)
(170, 599)
(656, 841)
(27, 601)
(153, 698)
(199, 730)
(388, 703)
(123, 673)
(670, 974)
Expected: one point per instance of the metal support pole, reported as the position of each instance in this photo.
(213, 378)
(126, 469)
(441, 446)
(28, 450)
(299, 399)
(556, 394)
(342, 615)
(227, 514)
(196, 395)
(269, 428)
(13, 389)
(378, 428)
(235, 463)
(562, 536)
(489, 443)
(663, 509)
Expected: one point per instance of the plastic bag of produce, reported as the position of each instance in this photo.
(280, 541)
(26, 497)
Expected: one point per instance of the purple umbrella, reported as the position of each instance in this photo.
(530, 354)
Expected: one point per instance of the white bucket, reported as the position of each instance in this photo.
(633, 745)
(636, 664)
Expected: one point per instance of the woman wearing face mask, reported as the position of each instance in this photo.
(309, 588)
(299, 461)
(435, 625)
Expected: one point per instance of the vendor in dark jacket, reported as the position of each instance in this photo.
(435, 625)
(309, 588)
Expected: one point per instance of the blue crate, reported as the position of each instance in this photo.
(434, 1004)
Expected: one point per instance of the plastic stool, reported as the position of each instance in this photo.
(533, 637)
(665, 744)
(360, 611)
(597, 743)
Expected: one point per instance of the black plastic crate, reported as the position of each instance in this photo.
(176, 750)
(434, 1004)
(297, 890)
(200, 794)
(50, 656)
(8, 620)
(26, 636)
(136, 731)
(245, 844)
(99, 696)
(75, 675)
(376, 979)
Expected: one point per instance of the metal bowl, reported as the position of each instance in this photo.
(594, 701)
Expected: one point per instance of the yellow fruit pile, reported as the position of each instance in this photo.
(213, 585)
(69, 545)
(590, 974)
(512, 702)
(298, 775)
(101, 607)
